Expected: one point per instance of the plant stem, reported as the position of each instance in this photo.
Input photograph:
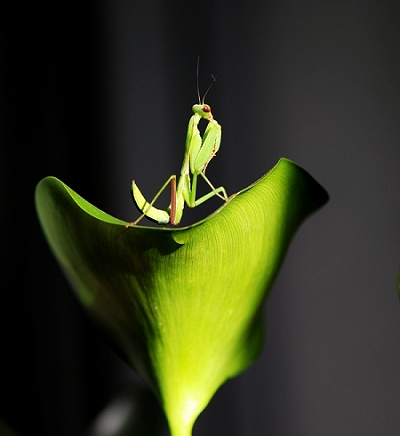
(182, 431)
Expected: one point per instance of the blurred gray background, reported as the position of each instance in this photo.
(97, 93)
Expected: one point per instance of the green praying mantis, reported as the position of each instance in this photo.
(198, 153)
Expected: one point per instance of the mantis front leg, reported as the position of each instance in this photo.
(199, 158)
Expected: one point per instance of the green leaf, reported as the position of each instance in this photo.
(182, 305)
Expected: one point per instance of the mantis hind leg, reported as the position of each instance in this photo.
(147, 209)
(219, 192)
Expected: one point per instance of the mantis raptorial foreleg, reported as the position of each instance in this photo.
(198, 153)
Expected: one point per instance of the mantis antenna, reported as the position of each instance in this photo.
(214, 79)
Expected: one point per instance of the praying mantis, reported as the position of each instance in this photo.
(198, 153)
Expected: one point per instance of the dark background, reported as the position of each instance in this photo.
(97, 93)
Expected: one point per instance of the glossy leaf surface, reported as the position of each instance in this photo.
(182, 305)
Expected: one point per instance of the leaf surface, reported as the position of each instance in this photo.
(182, 305)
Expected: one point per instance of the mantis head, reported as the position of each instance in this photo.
(203, 110)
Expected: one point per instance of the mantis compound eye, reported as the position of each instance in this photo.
(206, 108)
